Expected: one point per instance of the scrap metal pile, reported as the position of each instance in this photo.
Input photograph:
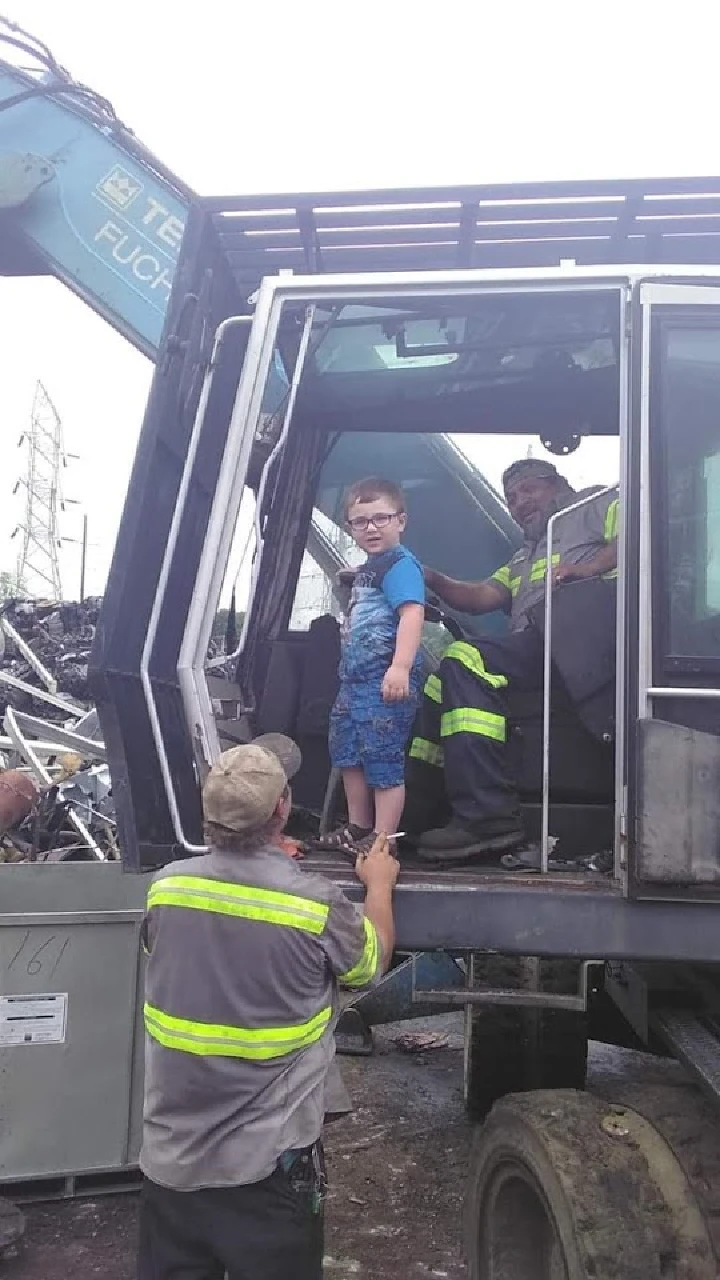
(55, 792)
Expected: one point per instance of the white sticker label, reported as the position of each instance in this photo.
(33, 1019)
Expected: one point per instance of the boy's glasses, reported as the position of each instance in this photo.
(361, 524)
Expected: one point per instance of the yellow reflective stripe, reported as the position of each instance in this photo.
(538, 568)
(613, 573)
(471, 658)
(215, 1040)
(611, 520)
(366, 968)
(243, 901)
(243, 892)
(502, 576)
(515, 584)
(472, 720)
(240, 910)
(433, 688)
(429, 752)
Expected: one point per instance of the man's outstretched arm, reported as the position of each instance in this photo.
(468, 597)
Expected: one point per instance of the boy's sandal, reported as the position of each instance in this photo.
(365, 843)
(345, 839)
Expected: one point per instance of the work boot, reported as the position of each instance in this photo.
(456, 842)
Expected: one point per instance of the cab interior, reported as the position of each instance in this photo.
(419, 390)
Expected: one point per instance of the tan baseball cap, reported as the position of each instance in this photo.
(245, 784)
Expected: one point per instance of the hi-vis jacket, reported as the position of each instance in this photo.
(245, 953)
(578, 537)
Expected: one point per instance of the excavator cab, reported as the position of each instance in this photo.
(268, 401)
(345, 384)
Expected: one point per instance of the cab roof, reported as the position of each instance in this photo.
(522, 225)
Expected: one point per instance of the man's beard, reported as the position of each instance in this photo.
(536, 527)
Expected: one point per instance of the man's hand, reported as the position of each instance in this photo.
(396, 683)
(571, 573)
(378, 868)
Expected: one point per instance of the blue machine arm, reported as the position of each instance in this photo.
(80, 197)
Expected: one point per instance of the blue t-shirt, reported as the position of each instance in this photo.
(384, 583)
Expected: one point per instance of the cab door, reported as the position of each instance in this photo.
(673, 592)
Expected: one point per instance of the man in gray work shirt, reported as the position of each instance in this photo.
(462, 724)
(245, 954)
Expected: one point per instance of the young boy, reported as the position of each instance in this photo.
(380, 669)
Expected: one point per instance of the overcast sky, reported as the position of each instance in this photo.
(281, 96)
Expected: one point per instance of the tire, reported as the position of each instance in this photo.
(494, 1062)
(509, 1050)
(564, 1186)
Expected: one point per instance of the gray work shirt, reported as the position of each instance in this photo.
(577, 538)
(245, 956)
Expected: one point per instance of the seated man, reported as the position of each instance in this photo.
(462, 724)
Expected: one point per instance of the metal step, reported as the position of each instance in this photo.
(695, 1041)
(527, 996)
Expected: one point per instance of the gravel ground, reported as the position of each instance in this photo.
(397, 1166)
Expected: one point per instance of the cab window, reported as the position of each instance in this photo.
(685, 418)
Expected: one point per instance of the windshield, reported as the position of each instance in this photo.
(543, 362)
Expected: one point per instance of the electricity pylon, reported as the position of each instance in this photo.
(38, 568)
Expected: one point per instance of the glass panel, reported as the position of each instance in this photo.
(228, 622)
(317, 590)
(227, 628)
(449, 347)
(712, 572)
(314, 597)
(542, 363)
(363, 342)
(496, 335)
(690, 411)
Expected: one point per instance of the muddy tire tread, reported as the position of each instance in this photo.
(612, 1215)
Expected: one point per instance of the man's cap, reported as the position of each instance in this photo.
(244, 786)
(530, 469)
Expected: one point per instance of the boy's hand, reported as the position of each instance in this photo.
(396, 683)
(378, 866)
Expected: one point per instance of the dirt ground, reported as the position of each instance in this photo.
(397, 1167)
